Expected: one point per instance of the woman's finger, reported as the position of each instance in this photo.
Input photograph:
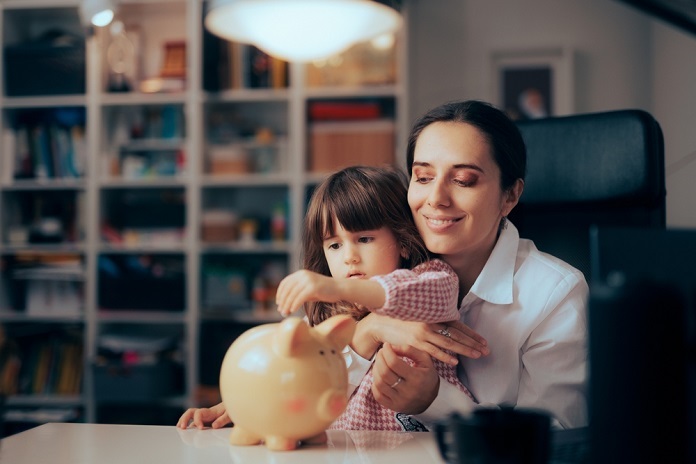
(455, 336)
(419, 380)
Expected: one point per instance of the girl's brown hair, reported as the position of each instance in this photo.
(359, 198)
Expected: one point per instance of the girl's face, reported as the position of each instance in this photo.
(361, 255)
(455, 193)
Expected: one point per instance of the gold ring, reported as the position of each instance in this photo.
(398, 381)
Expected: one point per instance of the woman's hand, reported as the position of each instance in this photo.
(432, 339)
(400, 386)
(215, 416)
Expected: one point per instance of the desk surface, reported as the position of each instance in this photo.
(133, 444)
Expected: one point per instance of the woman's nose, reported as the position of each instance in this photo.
(438, 195)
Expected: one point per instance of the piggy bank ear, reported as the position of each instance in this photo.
(292, 337)
(337, 330)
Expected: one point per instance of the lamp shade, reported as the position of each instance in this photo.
(301, 30)
(97, 12)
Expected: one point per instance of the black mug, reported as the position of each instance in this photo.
(495, 436)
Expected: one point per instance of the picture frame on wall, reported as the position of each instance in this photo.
(533, 83)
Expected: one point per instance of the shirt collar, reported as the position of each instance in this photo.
(495, 282)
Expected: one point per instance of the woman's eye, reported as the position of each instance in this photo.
(465, 182)
(421, 179)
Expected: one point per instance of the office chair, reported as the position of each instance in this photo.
(604, 169)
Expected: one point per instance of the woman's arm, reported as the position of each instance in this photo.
(374, 330)
(420, 392)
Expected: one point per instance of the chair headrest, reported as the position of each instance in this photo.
(603, 157)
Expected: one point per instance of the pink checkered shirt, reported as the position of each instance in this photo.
(426, 293)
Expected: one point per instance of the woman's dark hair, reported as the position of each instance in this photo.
(359, 198)
(509, 151)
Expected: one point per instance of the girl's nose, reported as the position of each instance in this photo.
(350, 254)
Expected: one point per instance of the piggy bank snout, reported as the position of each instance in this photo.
(331, 404)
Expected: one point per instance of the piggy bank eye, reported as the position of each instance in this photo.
(333, 351)
(321, 352)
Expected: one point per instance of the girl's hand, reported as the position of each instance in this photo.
(399, 386)
(215, 416)
(303, 286)
(374, 330)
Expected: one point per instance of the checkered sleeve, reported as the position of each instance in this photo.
(426, 293)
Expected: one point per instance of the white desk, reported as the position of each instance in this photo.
(134, 444)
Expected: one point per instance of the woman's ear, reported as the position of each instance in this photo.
(512, 196)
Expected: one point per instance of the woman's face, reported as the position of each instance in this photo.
(455, 193)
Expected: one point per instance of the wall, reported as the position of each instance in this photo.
(674, 96)
(622, 59)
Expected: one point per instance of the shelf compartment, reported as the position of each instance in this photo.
(144, 142)
(142, 282)
(43, 217)
(145, 50)
(138, 363)
(40, 43)
(241, 286)
(42, 362)
(45, 145)
(350, 131)
(143, 217)
(244, 216)
(40, 285)
(246, 138)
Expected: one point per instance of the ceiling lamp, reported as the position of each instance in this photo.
(301, 30)
(97, 12)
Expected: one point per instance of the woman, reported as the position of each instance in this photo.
(467, 163)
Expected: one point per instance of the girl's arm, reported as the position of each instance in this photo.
(427, 293)
(304, 286)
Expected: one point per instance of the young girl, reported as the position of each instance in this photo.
(362, 253)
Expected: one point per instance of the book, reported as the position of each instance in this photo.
(344, 110)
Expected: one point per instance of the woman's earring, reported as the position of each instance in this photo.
(503, 223)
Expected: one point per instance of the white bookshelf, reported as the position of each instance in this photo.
(109, 182)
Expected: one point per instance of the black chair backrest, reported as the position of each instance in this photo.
(604, 169)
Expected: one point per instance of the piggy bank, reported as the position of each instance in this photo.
(286, 383)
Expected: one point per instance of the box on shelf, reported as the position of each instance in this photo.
(48, 66)
(141, 283)
(228, 159)
(219, 226)
(337, 144)
(129, 383)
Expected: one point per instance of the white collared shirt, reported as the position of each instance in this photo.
(531, 307)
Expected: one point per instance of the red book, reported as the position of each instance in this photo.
(322, 111)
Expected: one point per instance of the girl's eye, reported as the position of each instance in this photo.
(333, 246)
(365, 239)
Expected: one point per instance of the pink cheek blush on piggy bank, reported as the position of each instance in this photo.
(285, 383)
